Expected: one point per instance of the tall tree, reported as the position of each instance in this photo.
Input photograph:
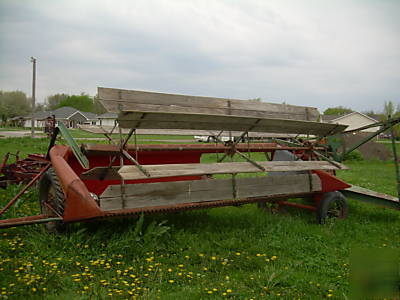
(338, 110)
(54, 100)
(12, 104)
(81, 102)
(390, 111)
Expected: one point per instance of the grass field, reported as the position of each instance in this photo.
(233, 252)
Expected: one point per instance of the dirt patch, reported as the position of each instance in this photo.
(369, 150)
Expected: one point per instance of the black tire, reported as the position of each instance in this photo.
(51, 194)
(332, 205)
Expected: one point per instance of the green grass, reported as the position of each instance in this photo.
(231, 252)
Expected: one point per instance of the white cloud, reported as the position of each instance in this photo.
(318, 53)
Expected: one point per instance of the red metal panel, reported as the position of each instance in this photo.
(79, 204)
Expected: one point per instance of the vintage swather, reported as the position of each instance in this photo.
(95, 181)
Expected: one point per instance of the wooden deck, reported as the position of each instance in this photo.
(175, 193)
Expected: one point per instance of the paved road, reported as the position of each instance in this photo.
(15, 133)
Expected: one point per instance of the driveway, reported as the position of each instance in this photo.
(18, 133)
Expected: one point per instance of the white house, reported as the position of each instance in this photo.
(354, 120)
(107, 119)
(70, 116)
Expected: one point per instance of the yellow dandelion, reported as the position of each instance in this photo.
(171, 281)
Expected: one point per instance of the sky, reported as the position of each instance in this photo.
(315, 53)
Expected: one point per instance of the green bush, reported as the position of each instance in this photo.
(354, 156)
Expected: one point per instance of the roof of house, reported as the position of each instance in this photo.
(335, 118)
(354, 113)
(108, 115)
(64, 112)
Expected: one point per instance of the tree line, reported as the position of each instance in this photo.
(16, 103)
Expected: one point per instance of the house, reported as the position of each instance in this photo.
(107, 119)
(70, 116)
(354, 120)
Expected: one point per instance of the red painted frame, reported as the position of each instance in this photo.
(81, 205)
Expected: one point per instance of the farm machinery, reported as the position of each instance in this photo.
(122, 178)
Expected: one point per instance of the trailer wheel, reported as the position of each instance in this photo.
(51, 199)
(332, 205)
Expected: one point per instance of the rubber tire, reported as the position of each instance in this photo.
(326, 208)
(50, 191)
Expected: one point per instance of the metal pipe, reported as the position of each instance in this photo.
(16, 197)
(396, 163)
(33, 60)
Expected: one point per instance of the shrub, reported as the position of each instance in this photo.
(354, 156)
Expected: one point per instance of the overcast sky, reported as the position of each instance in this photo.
(313, 53)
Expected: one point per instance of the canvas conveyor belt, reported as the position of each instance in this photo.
(204, 205)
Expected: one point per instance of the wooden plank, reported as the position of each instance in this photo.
(154, 120)
(107, 129)
(115, 100)
(174, 193)
(169, 170)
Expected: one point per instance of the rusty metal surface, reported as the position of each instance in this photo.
(97, 149)
(79, 204)
(22, 170)
(26, 221)
(16, 197)
(368, 196)
(298, 205)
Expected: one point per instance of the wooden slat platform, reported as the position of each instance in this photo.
(109, 149)
(116, 100)
(166, 120)
(107, 129)
(169, 170)
(175, 193)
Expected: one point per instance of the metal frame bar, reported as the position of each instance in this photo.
(385, 126)
(396, 162)
(21, 192)
(74, 146)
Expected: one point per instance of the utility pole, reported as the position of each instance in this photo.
(33, 60)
